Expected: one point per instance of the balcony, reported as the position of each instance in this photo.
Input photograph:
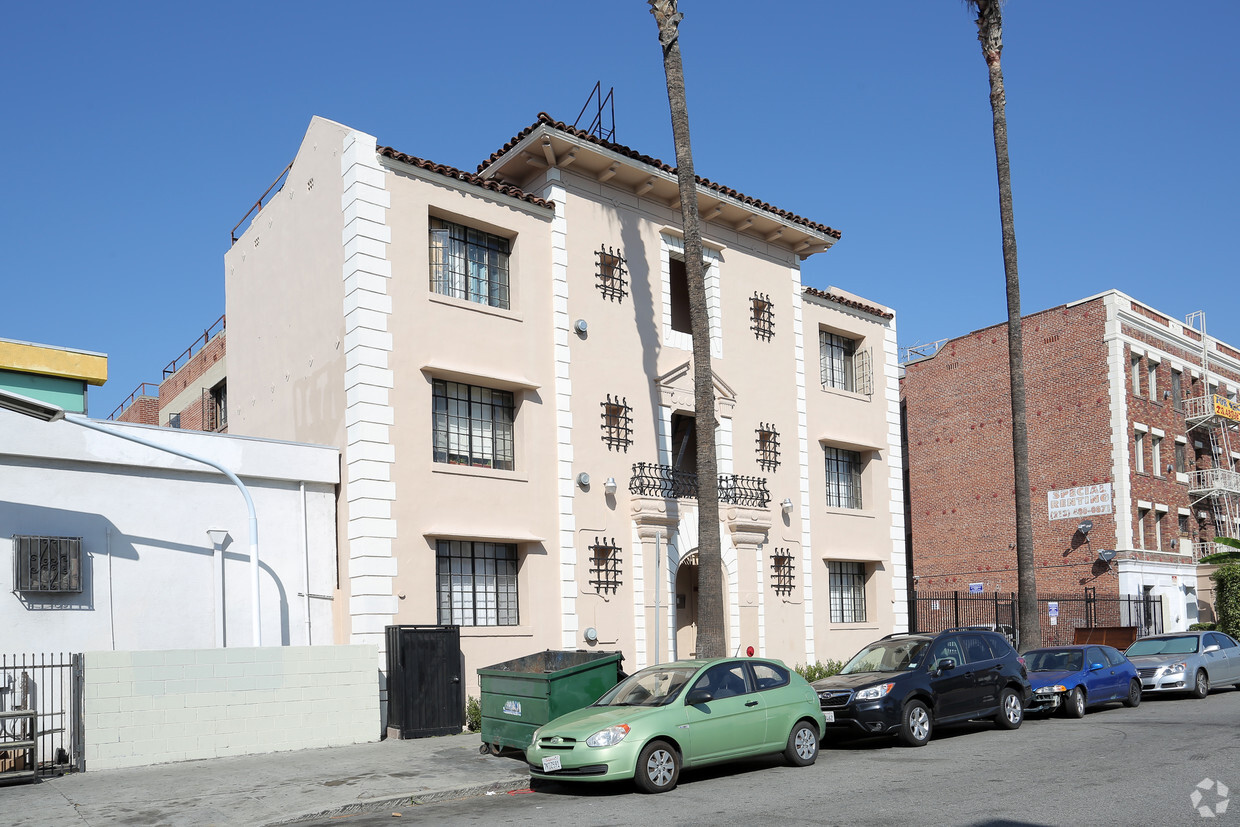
(653, 480)
(1202, 549)
(1213, 481)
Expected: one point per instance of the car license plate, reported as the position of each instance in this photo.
(829, 717)
(551, 763)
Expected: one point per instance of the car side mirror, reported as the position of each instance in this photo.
(1213, 647)
(1094, 667)
(699, 696)
(947, 664)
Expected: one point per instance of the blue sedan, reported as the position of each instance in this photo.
(1074, 677)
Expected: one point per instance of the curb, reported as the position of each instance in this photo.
(411, 800)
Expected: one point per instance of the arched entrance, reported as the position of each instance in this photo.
(686, 606)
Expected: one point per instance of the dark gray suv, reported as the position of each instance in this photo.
(910, 683)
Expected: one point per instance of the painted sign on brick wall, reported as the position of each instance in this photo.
(1073, 503)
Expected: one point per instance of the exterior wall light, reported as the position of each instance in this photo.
(786, 505)
(610, 485)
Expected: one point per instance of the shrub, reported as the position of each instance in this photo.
(473, 714)
(818, 670)
(1221, 557)
(1227, 598)
(1203, 627)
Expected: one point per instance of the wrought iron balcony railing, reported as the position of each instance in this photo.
(654, 480)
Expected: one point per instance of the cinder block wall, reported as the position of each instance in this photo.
(177, 705)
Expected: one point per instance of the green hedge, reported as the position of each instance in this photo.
(1227, 598)
(818, 670)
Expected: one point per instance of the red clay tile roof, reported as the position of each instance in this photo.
(855, 305)
(544, 118)
(467, 177)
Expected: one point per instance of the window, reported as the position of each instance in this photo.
(1142, 513)
(1138, 450)
(783, 576)
(1158, 524)
(1156, 454)
(768, 675)
(678, 280)
(611, 273)
(1183, 524)
(174, 420)
(477, 583)
(605, 566)
(976, 649)
(215, 408)
(1152, 373)
(1177, 389)
(617, 423)
(835, 357)
(47, 564)
(847, 582)
(468, 264)
(1180, 451)
(768, 447)
(1136, 375)
(843, 478)
(725, 680)
(473, 426)
(763, 320)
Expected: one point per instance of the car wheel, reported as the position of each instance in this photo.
(1074, 703)
(1134, 694)
(915, 724)
(1201, 686)
(658, 768)
(802, 749)
(1011, 710)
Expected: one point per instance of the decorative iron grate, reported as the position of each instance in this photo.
(783, 576)
(617, 423)
(653, 480)
(611, 273)
(47, 564)
(763, 325)
(605, 565)
(768, 447)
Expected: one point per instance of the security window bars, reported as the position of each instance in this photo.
(835, 360)
(605, 565)
(477, 583)
(469, 264)
(847, 584)
(473, 426)
(843, 478)
(1183, 523)
(611, 273)
(617, 423)
(768, 447)
(783, 576)
(47, 564)
(763, 320)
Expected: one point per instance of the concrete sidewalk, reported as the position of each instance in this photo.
(275, 788)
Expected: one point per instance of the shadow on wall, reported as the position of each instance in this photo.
(103, 543)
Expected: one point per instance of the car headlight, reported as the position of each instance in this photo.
(1052, 690)
(1175, 667)
(608, 737)
(873, 693)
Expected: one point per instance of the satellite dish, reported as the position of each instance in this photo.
(1085, 526)
(1106, 555)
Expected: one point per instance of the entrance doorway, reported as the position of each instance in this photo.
(686, 606)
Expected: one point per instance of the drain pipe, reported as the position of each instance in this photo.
(305, 551)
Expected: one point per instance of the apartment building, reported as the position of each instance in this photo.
(193, 393)
(504, 359)
(1133, 454)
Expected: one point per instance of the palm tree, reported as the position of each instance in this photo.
(990, 34)
(710, 639)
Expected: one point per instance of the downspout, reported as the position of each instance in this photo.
(305, 549)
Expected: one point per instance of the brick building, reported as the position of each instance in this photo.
(193, 394)
(1131, 426)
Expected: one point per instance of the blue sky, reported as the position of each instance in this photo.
(137, 134)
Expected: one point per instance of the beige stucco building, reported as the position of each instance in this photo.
(504, 359)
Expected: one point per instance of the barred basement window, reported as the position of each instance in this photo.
(605, 565)
(47, 564)
(763, 317)
(782, 574)
(768, 447)
(611, 273)
(617, 423)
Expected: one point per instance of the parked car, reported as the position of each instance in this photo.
(1072, 678)
(1186, 662)
(911, 683)
(683, 714)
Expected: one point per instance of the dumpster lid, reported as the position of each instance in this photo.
(554, 661)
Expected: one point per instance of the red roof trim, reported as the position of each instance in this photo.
(467, 177)
(855, 305)
(544, 118)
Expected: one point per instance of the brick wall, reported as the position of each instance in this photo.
(144, 411)
(192, 370)
(153, 707)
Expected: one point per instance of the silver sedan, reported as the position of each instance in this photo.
(1186, 662)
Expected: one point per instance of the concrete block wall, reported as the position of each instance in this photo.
(154, 707)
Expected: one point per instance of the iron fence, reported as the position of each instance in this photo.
(1061, 614)
(653, 480)
(50, 684)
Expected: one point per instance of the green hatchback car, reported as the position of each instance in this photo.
(682, 714)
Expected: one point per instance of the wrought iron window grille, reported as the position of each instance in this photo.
(47, 564)
(783, 576)
(763, 325)
(768, 446)
(605, 565)
(653, 480)
(617, 423)
(612, 271)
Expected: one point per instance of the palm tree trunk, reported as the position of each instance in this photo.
(990, 34)
(710, 629)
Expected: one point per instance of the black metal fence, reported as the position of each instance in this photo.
(1061, 614)
(51, 685)
(654, 480)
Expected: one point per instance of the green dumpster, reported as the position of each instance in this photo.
(519, 696)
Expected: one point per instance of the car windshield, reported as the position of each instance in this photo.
(1055, 660)
(1180, 645)
(654, 686)
(887, 656)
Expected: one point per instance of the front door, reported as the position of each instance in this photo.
(686, 607)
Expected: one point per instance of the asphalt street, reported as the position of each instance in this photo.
(1114, 766)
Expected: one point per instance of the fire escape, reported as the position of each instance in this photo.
(1216, 420)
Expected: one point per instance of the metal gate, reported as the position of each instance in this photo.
(426, 695)
(50, 684)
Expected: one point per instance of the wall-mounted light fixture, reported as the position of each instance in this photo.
(786, 505)
(610, 485)
(591, 635)
(580, 326)
(583, 479)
